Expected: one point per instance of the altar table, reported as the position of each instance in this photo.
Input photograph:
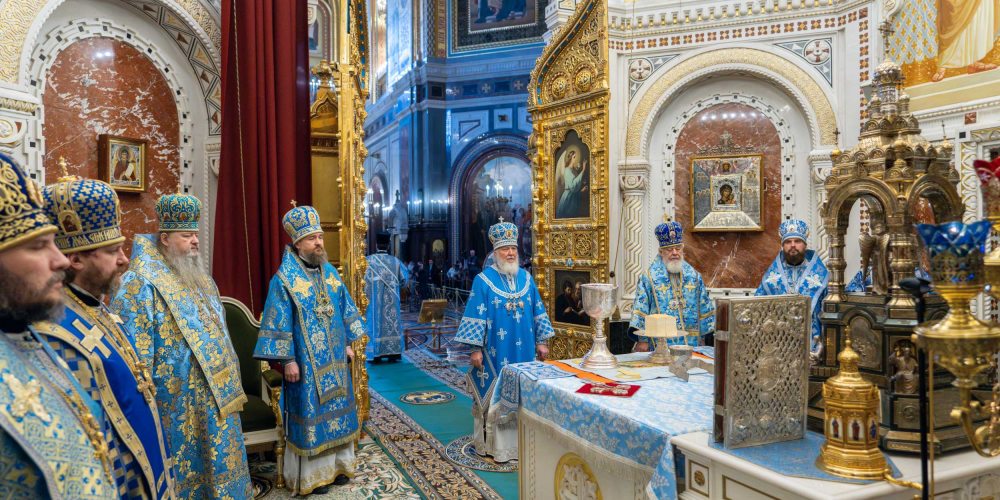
(583, 443)
(714, 474)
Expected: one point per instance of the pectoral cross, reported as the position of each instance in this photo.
(92, 338)
(482, 378)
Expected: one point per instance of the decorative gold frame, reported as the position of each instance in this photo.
(760, 194)
(105, 162)
(337, 121)
(569, 91)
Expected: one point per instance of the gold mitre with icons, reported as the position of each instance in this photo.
(300, 222)
(22, 216)
(86, 211)
(178, 212)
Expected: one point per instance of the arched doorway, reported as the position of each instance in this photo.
(376, 210)
(498, 186)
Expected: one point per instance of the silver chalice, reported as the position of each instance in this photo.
(599, 301)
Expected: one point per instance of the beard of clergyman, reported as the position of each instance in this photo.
(674, 266)
(313, 258)
(91, 281)
(509, 267)
(21, 305)
(188, 267)
(794, 259)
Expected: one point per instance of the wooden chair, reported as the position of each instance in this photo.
(261, 417)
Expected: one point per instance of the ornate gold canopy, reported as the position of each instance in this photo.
(569, 98)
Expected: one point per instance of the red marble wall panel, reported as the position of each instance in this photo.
(730, 259)
(104, 86)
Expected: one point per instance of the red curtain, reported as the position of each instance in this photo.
(265, 141)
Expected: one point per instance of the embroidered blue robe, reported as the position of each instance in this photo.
(808, 278)
(505, 335)
(132, 423)
(180, 333)
(45, 451)
(312, 326)
(685, 299)
(383, 278)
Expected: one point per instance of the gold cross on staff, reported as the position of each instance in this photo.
(886, 29)
(92, 338)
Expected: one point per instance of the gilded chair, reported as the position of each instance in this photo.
(263, 426)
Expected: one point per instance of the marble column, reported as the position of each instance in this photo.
(633, 179)
(820, 165)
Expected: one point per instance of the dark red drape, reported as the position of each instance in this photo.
(265, 141)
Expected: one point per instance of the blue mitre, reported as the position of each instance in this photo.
(794, 229)
(301, 221)
(503, 234)
(85, 210)
(21, 214)
(670, 234)
(178, 212)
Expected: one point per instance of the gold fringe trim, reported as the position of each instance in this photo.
(325, 446)
(594, 455)
(233, 406)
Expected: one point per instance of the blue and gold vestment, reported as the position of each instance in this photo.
(180, 333)
(809, 278)
(310, 318)
(506, 322)
(107, 367)
(45, 450)
(383, 278)
(683, 296)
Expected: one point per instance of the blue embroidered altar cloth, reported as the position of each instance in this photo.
(638, 428)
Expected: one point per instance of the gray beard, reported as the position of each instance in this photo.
(188, 268)
(674, 267)
(313, 259)
(510, 268)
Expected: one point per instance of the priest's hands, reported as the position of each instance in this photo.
(542, 351)
(292, 372)
(477, 359)
(642, 347)
(350, 353)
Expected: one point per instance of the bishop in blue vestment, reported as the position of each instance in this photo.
(91, 340)
(309, 323)
(671, 286)
(172, 312)
(51, 445)
(505, 322)
(797, 270)
(385, 275)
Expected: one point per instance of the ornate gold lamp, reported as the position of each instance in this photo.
(851, 415)
(960, 342)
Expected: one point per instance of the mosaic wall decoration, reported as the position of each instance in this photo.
(492, 24)
(818, 52)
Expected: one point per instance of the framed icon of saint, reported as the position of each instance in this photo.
(121, 162)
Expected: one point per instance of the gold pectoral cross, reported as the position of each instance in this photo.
(92, 338)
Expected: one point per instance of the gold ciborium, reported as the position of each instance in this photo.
(960, 342)
(660, 328)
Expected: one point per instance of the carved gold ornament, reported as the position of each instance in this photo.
(584, 79)
(574, 480)
(559, 86)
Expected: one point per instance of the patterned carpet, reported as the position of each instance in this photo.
(422, 456)
(377, 478)
(435, 363)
